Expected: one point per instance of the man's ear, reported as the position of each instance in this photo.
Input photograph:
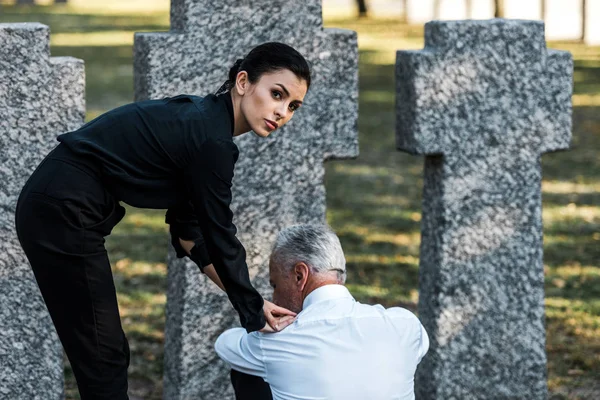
(242, 83)
(301, 274)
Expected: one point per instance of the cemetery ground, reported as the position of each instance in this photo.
(373, 202)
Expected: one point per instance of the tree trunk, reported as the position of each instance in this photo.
(436, 9)
(583, 19)
(362, 8)
(499, 8)
(543, 9)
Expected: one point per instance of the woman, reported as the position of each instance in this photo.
(177, 154)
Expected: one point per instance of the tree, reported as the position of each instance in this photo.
(362, 8)
(499, 4)
(583, 19)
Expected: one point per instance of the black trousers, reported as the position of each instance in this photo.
(63, 215)
(250, 387)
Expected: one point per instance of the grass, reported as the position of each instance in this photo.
(374, 202)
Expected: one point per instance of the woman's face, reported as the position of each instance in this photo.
(270, 103)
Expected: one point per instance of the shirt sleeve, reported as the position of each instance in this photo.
(209, 178)
(184, 224)
(423, 343)
(242, 351)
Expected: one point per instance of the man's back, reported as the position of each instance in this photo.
(336, 349)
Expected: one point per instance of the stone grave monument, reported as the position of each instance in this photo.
(483, 101)
(40, 97)
(278, 181)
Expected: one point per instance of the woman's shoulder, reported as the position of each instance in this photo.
(206, 103)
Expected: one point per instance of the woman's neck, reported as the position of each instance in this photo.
(240, 124)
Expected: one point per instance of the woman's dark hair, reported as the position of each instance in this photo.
(268, 57)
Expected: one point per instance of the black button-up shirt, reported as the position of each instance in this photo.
(178, 154)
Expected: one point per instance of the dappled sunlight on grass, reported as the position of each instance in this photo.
(563, 187)
(129, 268)
(377, 96)
(571, 212)
(91, 39)
(97, 7)
(371, 171)
(571, 323)
(141, 221)
(381, 260)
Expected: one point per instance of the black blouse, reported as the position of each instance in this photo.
(178, 154)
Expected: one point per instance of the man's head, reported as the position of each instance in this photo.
(304, 258)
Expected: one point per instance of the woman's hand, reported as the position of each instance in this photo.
(278, 318)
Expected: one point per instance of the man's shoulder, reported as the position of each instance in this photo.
(400, 313)
(344, 309)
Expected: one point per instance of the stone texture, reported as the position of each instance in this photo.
(278, 181)
(483, 100)
(40, 97)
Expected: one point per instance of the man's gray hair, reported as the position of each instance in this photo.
(316, 245)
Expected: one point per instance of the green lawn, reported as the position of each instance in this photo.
(373, 202)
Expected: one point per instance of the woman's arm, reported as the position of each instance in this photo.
(278, 318)
(209, 270)
(209, 177)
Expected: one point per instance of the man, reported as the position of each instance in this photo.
(335, 348)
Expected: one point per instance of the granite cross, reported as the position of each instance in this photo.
(278, 181)
(483, 100)
(40, 97)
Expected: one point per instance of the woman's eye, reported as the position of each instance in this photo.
(276, 94)
(293, 107)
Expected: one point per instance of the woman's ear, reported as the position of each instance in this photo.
(241, 83)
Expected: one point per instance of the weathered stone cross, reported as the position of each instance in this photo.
(279, 180)
(40, 97)
(483, 100)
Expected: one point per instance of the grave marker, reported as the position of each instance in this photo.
(40, 97)
(278, 181)
(483, 101)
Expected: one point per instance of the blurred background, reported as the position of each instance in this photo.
(374, 202)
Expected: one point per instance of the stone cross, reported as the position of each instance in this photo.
(40, 97)
(483, 101)
(278, 181)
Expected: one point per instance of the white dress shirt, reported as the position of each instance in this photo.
(337, 349)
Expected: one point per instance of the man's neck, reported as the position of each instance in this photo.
(318, 282)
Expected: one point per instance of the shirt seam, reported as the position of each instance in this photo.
(262, 357)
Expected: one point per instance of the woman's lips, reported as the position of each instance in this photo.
(271, 125)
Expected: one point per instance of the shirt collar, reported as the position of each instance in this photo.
(229, 104)
(327, 292)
